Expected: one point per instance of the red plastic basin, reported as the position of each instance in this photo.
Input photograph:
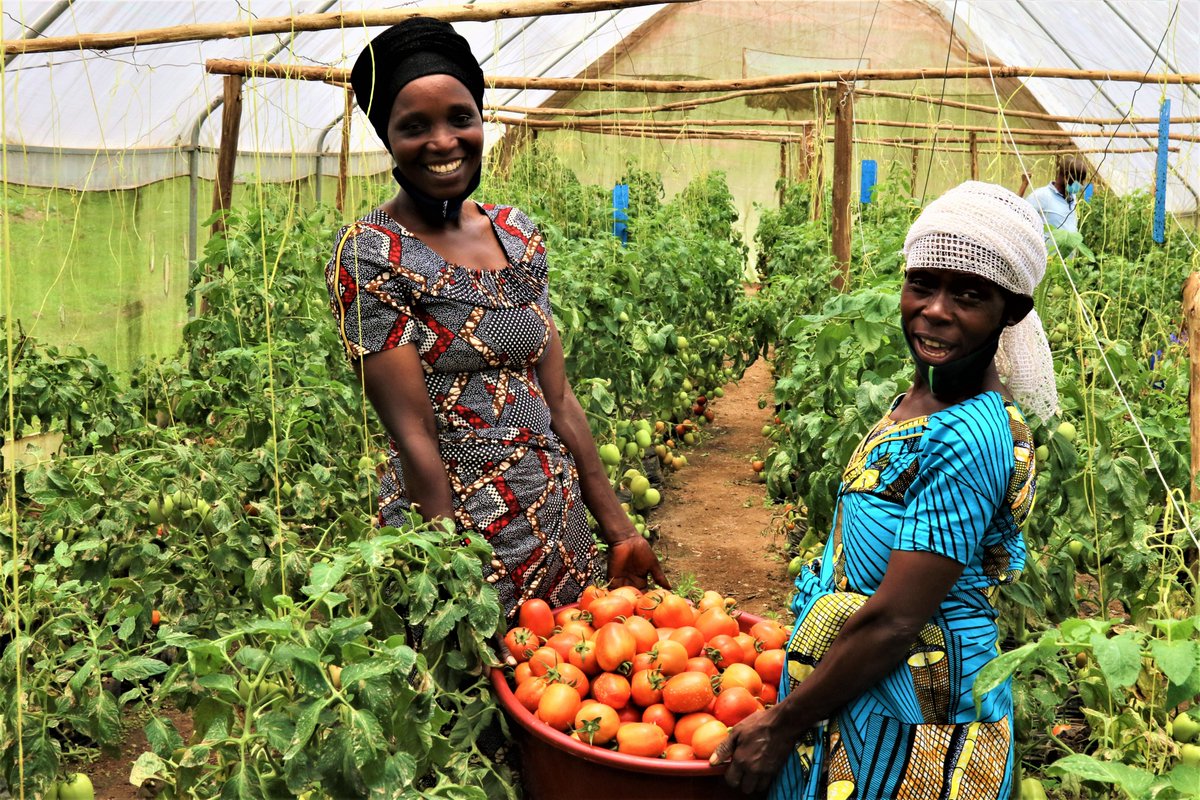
(556, 767)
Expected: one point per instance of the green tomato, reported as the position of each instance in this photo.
(1043, 453)
(154, 511)
(1075, 548)
(642, 437)
(622, 318)
(652, 498)
(1032, 789)
(795, 566)
(51, 791)
(168, 507)
(681, 343)
(76, 787)
(718, 392)
(686, 385)
(610, 455)
(639, 485)
(1185, 728)
(1189, 754)
(1066, 430)
(631, 449)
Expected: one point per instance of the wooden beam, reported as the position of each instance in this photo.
(843, 177)
(348, 20)
(231, 123)
(973, 147)
(946, 125)
(225, 66)
(344, 153)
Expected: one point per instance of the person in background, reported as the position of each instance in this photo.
(895, 623)
(1056, 202)
(443, 308)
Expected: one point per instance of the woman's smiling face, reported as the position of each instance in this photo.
(947, 315)
(436, 135)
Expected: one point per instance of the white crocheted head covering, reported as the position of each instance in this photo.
(986, 230)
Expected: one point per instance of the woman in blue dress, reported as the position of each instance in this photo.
(897, 620)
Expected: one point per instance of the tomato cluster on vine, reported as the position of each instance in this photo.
(645, 673)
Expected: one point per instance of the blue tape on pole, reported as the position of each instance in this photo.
(620, 195)
(869, 173)
(1088, 191)
(1160, 173)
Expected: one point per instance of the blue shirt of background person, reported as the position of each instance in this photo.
(1057, 201)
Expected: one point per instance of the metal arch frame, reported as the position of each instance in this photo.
(40, 24)
(1100, 89)
(1149, 45)
(193, 151)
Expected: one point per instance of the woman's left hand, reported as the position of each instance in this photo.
(630, 560)
(755, 751)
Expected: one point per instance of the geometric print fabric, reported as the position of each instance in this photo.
(480, 335)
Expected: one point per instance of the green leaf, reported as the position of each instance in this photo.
(443, 622)
(137, 668)
(162, 736)
(1120, 658)
(1185, 779)
(148, 765)
(1175, 659)
(306, 724)
(366, 737)
(222, 685)
(999, 670)
(1135, 781)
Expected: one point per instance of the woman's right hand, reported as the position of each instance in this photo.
(755, 751)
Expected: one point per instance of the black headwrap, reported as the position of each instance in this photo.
(417, 47)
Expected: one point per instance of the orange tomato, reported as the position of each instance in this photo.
(646, 687)
(691, 638)
(641, 739)
(715, 622)
(579, 628)
(521, 642)
(629, 713)
(749, 647)
(645, 605)
(611, 689)
(565, 615)
(701, 664)
(563, 642)
(529, 693)
(670, 658)
(535, 614)
(596, 723)
(558, 705)
(679, 752)
(769, 634)
(734, 705)
(583, 656)
(660, 715)
(522, 673)
(643, 632)
(723, 650)
(688, 692)
(711, 599)
(589, 594)
(768, 695)
(664, 633)
(606, 609)
(572, 676)
(708, 737)
(742, 675)
(615, 645)
(673, 612)
(628, 592)
(543, 660)
(642, 661)
(769, 665)
(686, 725)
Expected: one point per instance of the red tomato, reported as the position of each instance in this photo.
(645, 605)
(742, 675)
(749, 647)
(521, 642)
(723, 650)
(702, 664)
(641, 739)
(686, 725)
(734, 705)
(565, 615)
(611, 689)
(522, 673)
(579, 628)
(529, 693)
(769, 665)
(688, 692)
(596, 723)
(679, 752)
(572, 676)
(715, 622)
(674, 612)
(563, 642)
(615, 645)
(590, 593)
(643, 632)
(642, 661)
(691, 638)
(670, 658)
(628, 592)
(646, 687)
(664, 633)
(769, 695)
(558, 705)
(629, 713)
(769, 634)
(660, 715)
(543, 660)
(535, 614)
(583, 656)
(606, 609)
(708, 737)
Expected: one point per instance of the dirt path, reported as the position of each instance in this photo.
(714, 523)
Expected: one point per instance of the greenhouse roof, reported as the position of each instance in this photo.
(144, 107)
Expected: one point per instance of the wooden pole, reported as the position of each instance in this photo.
(347, 21)
(783, 172)
(843, 173)
(806, 152)
(1024, 184)
(816, 206)
(915, 153)
(231, 123)
(973, 147)
(1191, 320)
(225, 66)
(344, 153)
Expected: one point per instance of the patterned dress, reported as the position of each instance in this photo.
(481, 335)
(958, 483)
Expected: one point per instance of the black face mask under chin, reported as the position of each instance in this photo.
(432, 210)
(960, 378)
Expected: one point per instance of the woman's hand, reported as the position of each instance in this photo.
(630, 560)
(755, 751)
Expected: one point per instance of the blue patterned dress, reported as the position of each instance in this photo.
(481, 335)
(958, 483)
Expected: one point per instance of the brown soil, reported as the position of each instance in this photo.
(110, 773)
(715, 522)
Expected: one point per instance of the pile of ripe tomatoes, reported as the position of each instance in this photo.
(647, 674)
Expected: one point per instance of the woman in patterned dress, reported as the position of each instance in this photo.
(895, 623)
(444, 312)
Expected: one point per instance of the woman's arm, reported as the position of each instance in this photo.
(395, 385)
(630, 558)
(874, 640)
